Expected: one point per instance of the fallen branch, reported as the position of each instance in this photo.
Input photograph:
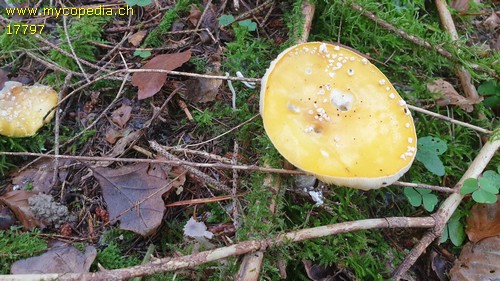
(448, 207)
(171, 264)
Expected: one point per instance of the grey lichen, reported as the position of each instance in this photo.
(50, 212)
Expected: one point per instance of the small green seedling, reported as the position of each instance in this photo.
(143, 54)
(250, 25)
(454, 230)
(419, 196)
(491, 91)
(428, 150)
(140, 3)
(226, 20)
(485, 189)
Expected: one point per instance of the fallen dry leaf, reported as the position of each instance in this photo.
(122, 144)
(40, 176)
(133, 196)
(449, 95)
(136, 38)
(60, 258)
(202, 89)
(478, 261)
(483, 221)
(492, 22)
(194, 15)
(121, 115)
(112, 135)
(150, 83)
(17, 201)
(460, 5)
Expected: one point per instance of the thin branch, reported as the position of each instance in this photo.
(207, 179)
(463, 75)
(448, 207)
(172, 264)
(446, 118)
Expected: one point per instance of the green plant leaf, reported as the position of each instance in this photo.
(413, 196)
(492, 101)
(487, 185)
(427, 153)
(469, 186)
(142, 3)
(431, 162)
(483, 196)
(456, 231)
(142, 54)
(492, 177)
(430, 201)
(489, 88)
(226, 20)
(250, 25)
(131, 2)
(444, 235)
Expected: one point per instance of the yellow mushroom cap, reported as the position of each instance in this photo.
(333, 114)
(22, 108)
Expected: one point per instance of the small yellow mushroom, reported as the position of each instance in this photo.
(333, 114)
(23, 108)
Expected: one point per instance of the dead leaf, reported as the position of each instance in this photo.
(492, 22)
(478, 261)
(124, 142)
(3, 78)
(449, 95)
(194, 15)
(121, 115)
(133, 196)
(460, 5)
(40, 176)
(17, 201)
(61, 258)
(136, 38)
(150, 83)
(111, 135)
(483, 221)
(202, 89)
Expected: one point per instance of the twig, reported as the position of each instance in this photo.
(184, 108)
(171, 264)
(308, 14)
(425, 186)
(254, 11)
(207, 179)
(57, 127)
(225, 133)
(446, 118)
(448, 207)
(463, 75)
(200, 153)
(414, 39)
(74, 56)
(171, 162)
(202, 17)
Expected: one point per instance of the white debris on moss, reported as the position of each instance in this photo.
(50, 212)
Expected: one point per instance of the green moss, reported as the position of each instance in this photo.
(155, 36)
(16, 245)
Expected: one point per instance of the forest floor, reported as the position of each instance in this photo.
(174, 167)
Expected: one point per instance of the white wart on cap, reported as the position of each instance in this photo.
(333, 114)
(23, 108)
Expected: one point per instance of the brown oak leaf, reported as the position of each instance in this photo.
(150, 83)
(133, 196)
